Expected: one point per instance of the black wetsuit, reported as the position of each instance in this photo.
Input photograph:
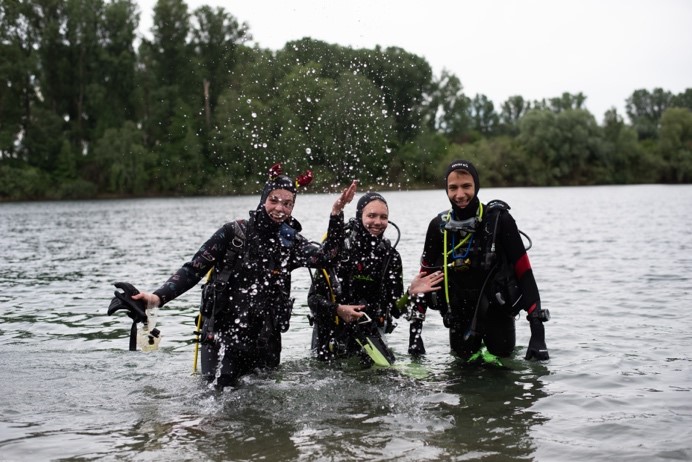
(369, 272)
(491, 287)
(255, 307)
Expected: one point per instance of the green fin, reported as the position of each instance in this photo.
(483, 355)
(379, 357)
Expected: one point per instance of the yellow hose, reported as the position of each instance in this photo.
(199, 327)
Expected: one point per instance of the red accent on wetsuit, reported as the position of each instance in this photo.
(522, 266)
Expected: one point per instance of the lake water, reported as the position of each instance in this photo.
(613, 265)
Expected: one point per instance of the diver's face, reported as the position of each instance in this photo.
(375, 217)
(279, 205)
(460, 188)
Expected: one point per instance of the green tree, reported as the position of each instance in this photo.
(418, 162)
(356, 131)
(403, 78)
(174, 97)
(645, 109)
(181, 167)
(447, 108)
(166, 76)
(45, 143)
(502, 161)
(485, 119)
(123, 165)
(512, 111)
(568, 144)
(116, 97)
(23, 183)
(84, 53)
(675, 144)
(247, 123)
(624, 160)
(297, 125)
(683, 99)
(215, 40)
(18, 67)
(333, 59)
(566, 102)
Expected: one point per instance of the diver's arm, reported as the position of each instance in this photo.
(394, 285)
(323, 303)
(321, 307)
(431, 253)
(314, 256)
(321, 299)
(513, 246)
(431, 276)
(331, 247)
(530, 300)
(194, 270)
(432, 248)
(422, 284)
(345, 198)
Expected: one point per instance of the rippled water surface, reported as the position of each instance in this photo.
(613, 265)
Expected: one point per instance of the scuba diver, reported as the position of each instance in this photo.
(488, 278)
(246, 303)
(354, 301)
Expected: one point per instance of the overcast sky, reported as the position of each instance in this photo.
(538, 49)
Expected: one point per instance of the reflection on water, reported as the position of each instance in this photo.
(617, 385)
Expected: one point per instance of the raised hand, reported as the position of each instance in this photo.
(345, 198)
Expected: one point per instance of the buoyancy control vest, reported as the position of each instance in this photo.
(248, 299)
(361, 277)
(474, 265)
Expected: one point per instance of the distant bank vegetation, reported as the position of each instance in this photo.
(89, 110)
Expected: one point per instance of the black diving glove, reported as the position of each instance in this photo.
(415, 341)
(136, 309)
(537, 348)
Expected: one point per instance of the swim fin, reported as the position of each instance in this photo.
(483, 356)
(376, 349)
(136, 309)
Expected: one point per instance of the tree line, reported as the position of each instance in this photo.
(89, 109)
